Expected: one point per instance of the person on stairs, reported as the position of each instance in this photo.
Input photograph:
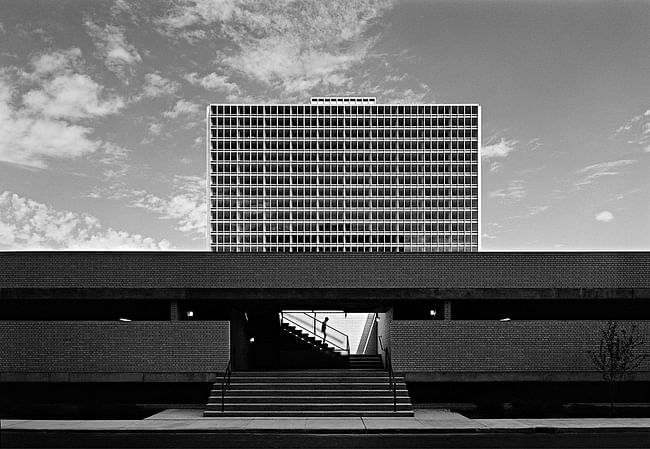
(323, 328)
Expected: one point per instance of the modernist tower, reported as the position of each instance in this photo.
(344, 174)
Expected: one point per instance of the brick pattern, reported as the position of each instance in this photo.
(109, 347)
(622, 270)
(489, 346)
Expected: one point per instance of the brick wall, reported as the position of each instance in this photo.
(202, 269)
(492, 350)
(112, 351)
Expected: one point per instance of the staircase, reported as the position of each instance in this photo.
(362, 361)
(310, 339)
(311, 393)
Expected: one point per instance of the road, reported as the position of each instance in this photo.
(95, 439)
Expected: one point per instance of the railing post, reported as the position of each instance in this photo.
(395, 398)
(225, 384)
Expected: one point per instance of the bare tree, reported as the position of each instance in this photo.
(619, 354)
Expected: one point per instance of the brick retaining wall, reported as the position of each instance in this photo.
(113, 351)
(493, 350)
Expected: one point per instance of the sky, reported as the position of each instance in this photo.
(102, 108)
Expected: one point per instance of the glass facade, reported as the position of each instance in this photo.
(343, 174)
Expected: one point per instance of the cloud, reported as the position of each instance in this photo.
(110, 41)
(534, 210)
(292, 46)
(155, 128)
(188, 13)
(514, 192)
(590, 173)
(187, 207)
(26, 224)
(637, 131)
(58, 88)
(605, 216)
(213, 81)
(114, 161)
(28, 138)
(40, 124)
(182, 107)
(158, 86)
(56, 62)
(71, 96)
(498, 149)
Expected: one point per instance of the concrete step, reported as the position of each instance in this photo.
(310, 385)
(284, 399)
(311, 414)
(308, 379)
(314, 341)
(336, 392)
(308, 373)
(311, 392)
(317, 407)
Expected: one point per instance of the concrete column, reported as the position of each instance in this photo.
(173, 310)
(447, 311)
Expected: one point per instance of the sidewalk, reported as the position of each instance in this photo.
(425, 421)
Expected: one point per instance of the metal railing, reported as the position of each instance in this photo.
(225, 384)
(392, 383)
(344, 337)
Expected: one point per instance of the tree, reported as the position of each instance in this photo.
(619, 354)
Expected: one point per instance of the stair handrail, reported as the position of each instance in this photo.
(225, 384)
(392, 383)
(321, 322)
(347, 339)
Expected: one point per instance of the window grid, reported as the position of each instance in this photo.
(338, 177)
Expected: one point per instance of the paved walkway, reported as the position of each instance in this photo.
(427, 421)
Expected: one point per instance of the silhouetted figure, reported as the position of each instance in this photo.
(323, 328)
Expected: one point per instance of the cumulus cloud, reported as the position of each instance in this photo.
(589, 174)
(26, 224)
(605, 216)
(182, 107)
(498, 149)
(41, 123)
(294, 46)
(71, 96)
(28, 138)
(158, 86)
(119, 55)
(56, 62)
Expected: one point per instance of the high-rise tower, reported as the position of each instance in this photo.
(344, 174)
